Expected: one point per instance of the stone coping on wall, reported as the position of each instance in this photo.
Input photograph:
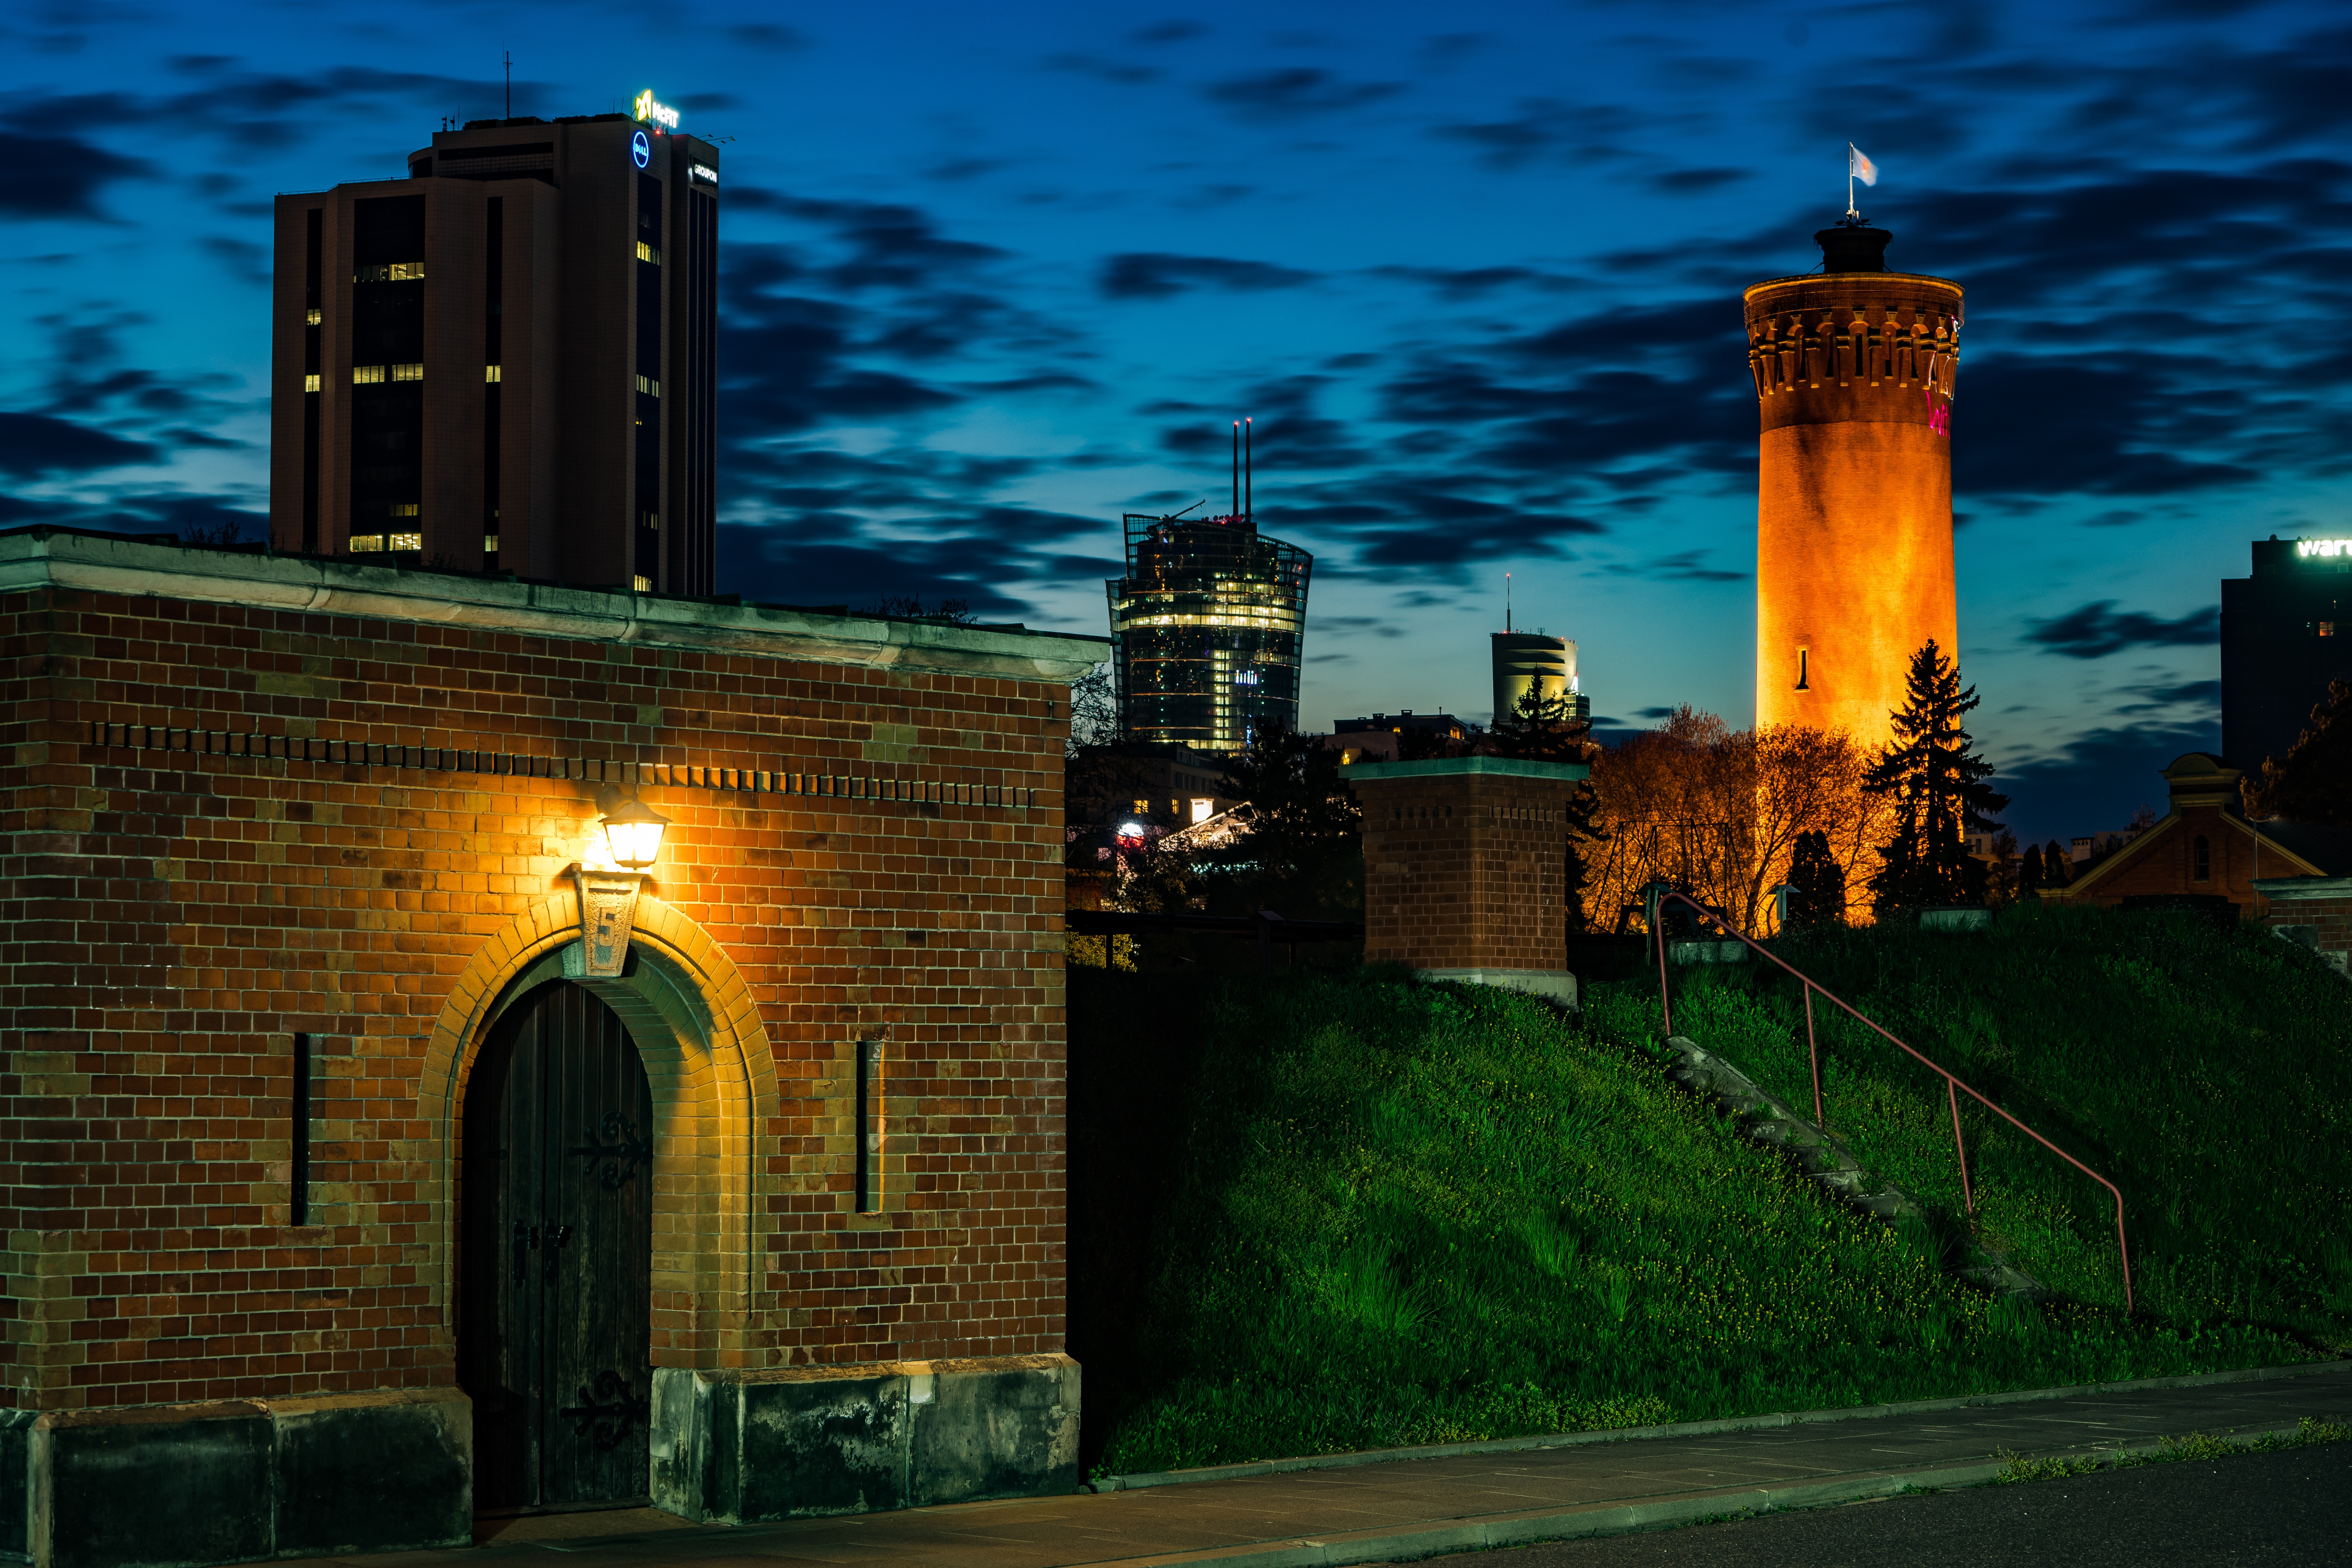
(1443, 767)
(49, 557)
(2297, 890)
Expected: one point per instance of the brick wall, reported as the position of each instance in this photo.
(225, 825)
(1463, 870)
(2315, 912)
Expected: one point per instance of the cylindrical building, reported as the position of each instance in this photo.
(1854, 370)
(1530, 661)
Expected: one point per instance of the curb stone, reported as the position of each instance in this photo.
(1767, 1119)
(1588, 1520)
(1143, 1479)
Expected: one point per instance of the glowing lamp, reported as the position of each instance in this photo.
(633, 830)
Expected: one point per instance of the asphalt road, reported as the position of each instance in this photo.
(2268, 1509)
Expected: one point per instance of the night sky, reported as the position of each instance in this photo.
(994, 274)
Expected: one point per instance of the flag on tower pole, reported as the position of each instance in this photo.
(1858, 166)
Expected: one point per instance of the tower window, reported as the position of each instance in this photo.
(313, 317)
(407, 371)
(2201, 861)
(310, 383)
(493, 372)
(366, 375)
(649, 386)
(647, 253)
(1803, 662)
(641, 583)
(361, 543)
(2328, 628)
(404, 541)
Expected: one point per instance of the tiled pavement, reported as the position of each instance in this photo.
(1362, 1513)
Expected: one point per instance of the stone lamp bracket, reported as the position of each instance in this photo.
(608, 911)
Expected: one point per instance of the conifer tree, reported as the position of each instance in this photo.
(1936, 783)
(2057, 869)
(1819, 882)
(2029, 871)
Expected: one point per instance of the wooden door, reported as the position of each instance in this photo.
(558, 1201)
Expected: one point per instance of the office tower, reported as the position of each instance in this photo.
(2287, 632)
(1854, 370)
(1207, 625)
(504, 360)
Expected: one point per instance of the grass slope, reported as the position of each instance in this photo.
(1313, 1213)
(2207, 1072)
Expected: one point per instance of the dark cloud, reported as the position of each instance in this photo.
(708, 102)
(1698, 181)
(246, 261)
(889, 244)
(1472, 282)
(2098, 779)
(1547, 128)
(1175, 30)
(772, 37)
(2098, 629)
(2037, 428)
(33, 445)
(1156, 275)
(1295, 92)
(1683, 566)
(1123, 73)
(33, 188)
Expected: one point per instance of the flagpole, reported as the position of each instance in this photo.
(1849, 179)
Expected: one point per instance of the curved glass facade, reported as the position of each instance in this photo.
(1207, 627)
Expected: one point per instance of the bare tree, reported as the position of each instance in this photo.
(1718, 812)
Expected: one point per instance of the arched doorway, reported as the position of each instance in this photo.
(558, 1223)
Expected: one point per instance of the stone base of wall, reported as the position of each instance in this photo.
(236, 1481)
(1551, 984)
(733, 1448)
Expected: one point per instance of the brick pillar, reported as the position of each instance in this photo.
(2314, 911)
(1465, 868)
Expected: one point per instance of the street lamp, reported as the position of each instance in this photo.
(633, 830)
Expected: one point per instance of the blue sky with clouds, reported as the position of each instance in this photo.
(993, 275)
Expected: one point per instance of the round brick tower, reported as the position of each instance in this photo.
(1855, 369)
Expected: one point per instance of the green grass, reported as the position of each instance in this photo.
(1315, 1213)
(2207, 1072)
(2310, 1432)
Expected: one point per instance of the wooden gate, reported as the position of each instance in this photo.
(558, 1202)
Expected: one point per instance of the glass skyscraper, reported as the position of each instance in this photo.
(1206, 628)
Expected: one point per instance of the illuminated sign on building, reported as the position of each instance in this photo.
(641, 150)
(2306, 549)
(702, 172)
(654, 112)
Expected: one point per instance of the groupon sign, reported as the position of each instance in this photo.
(654, 113)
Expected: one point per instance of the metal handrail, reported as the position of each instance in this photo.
(1952, 1085)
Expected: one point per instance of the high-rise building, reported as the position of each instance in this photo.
(1530, 661)
(1206, 631)
(2287, 632)
(1854, 372)
(505, 359)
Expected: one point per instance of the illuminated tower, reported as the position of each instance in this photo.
(1855, 369)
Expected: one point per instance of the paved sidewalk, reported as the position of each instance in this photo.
(1375, 1512)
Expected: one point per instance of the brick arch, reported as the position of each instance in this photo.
(708, 1060)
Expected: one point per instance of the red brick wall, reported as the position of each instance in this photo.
(172, 918)
(2161, 861)
(1464, 871)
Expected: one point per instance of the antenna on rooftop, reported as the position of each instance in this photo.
(1237, 469)
(509, 55)
(1249, 486)
(1507, 602)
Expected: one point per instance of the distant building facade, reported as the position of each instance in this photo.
(1207, 629)
(1854, 370)
(2287, 632)
(506, 360)
(1378, 738)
